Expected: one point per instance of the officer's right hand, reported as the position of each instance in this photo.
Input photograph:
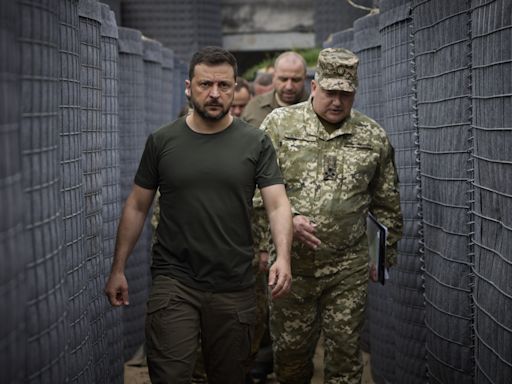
(304, 231)
(116, 289)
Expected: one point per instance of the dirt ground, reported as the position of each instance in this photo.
(139, 375)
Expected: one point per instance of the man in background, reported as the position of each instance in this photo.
(263, 83)
(288, 83)
(241, 98)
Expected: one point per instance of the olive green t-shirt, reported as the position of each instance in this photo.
(207, 182)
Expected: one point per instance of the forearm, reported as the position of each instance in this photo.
(129, 229)
(281, 228)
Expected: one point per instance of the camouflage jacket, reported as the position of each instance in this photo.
(335, 179)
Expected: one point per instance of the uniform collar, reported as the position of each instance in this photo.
(270, 99)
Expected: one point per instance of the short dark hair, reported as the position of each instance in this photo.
(212, 56)
(241, 83)
(263, 78)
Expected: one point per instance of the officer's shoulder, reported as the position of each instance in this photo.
(290, 112)
(366, 123)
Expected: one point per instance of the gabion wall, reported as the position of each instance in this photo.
(378, 335)
(111, 174)
(341, 39)
(132, 136)
(75, 112)
(183, 26)
(446, 99)
(13, 244)
(46, 328)
(491, 189)
(72, 128)
(331, 15)
(442, 59)
(407, 305)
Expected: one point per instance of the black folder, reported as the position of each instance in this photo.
(377, 234)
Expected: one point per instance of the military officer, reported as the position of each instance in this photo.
(338, 165)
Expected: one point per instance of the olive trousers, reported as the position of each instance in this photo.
(177, 316)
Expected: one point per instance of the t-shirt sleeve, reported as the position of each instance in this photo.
(267, 171)
(147, 173)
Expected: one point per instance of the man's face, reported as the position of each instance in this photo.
(332, 106)
(289, 79)
(240, 100)
(211, 90)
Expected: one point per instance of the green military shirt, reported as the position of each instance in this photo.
(335, 179)
(260, 106)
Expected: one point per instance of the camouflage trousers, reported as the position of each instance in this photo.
(331, 304)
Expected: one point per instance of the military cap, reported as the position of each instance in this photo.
(336, 70)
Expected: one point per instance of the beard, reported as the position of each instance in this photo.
(290, 97)
(204, 114)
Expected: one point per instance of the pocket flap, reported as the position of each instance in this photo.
(157, 303)
(247, 316)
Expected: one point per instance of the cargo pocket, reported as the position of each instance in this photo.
(156, 326)
(247, 321)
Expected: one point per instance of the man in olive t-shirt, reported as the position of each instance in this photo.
(206, 183)
(206, 166)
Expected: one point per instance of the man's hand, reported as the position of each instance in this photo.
(116, 289)
(279, 279)
(373, 273)
(263, 261)
(304, 230)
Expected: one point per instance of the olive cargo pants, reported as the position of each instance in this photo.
(178, 315)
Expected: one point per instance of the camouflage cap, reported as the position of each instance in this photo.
(336, 70)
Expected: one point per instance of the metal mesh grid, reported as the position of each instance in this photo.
(114, 6)
(441, 39)
(180, 75)
(406, 276)
(132, 136)
(168, 89)
(111, 192)
(181, 88)
(492, 128)
(45, 308)
(341, 39)
(78, 343)
(183, 26)
(367, 46)
(379, 323)
(93, 163)
(13, 289)
(334, 15)
(152, 57)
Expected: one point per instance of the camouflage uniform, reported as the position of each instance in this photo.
(334, 180)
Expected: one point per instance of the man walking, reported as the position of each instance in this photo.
(206, 166)
(338, 165)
